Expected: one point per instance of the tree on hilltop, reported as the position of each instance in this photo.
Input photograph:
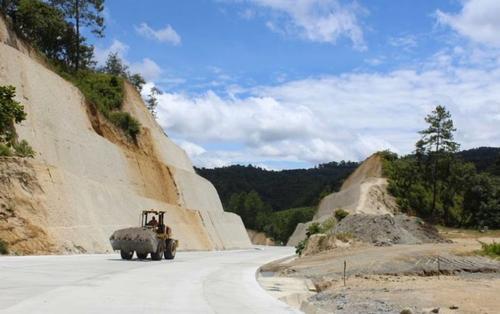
(84, 13)
(436, 144)
(152, 100)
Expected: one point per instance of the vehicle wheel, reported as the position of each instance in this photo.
(126, 254)
(158, 255)
(170, 249)
(142, 255)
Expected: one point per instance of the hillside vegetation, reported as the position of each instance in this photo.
(279, 189)
(276, 201)
(49, 27)
(443, 186)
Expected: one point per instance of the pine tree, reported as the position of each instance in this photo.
(437, 143)
(115, 66)
(152, 100)
(137, 80)
(84, 13)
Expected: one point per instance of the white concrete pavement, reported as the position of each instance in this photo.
(194, 282)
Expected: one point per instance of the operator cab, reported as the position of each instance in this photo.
(154, 219)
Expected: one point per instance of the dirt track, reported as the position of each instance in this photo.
(389, 279)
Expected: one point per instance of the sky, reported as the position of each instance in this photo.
(285, 84)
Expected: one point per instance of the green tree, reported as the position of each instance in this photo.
(496, 167)
(137, 80)
(152, 100)
(11, 112)
(86, 13)
(8, 7)
(481, 203)
(436, 143)
(43, 25)
(115, 66)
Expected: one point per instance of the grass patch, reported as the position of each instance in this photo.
(126, 122)
(490, 249)
(5, 150)
(456, 233)
(315, 228)
(344, 236)
(341, 214)
(106, 92)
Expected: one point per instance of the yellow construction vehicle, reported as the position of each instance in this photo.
(152, 237)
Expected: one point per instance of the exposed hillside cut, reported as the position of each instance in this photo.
(371, 211)
(90, 178)
(259, 238)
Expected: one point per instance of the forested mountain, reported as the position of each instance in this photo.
(483, 158)
(279, 189)
(302, 187)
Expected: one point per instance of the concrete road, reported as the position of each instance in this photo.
(195, 282)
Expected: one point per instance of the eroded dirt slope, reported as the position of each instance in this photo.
(22, 208)
(92, 178)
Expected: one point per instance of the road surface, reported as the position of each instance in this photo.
(195, 282)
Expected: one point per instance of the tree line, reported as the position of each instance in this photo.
(274, 202)
(53, 28)
(282, 189)
(442, 185)
(437, 182)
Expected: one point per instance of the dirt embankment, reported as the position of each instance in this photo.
(388, 230)
(389, 279)
(94, 180)
(259, 238)
(22, 208)
(363, 193)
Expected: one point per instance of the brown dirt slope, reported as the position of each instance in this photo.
(370, 168)
(363, 192)
(259, 238)
(22, 208)
(93, 179)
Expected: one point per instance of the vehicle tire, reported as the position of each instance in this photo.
(170, 248)
(158, 255)
(126, 254)
(142, 255)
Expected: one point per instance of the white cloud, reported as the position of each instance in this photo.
(101, 54)
(316, 20)
(406, 42)
(147, 68)
(165, 35)
(192, 149)
(375, 61)
(335, 117)
(478, 20)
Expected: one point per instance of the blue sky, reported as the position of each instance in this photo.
(287, 84)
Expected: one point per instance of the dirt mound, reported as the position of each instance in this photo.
(363, 192)
(318, 243)
(387, 229)
(370, 168)
(259, 238)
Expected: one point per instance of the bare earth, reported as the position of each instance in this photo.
(390, 279)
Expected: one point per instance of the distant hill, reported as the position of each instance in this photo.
(302, 187)
(483, 157)
(280, 189)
